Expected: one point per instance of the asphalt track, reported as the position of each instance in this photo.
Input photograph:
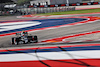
(53, 33)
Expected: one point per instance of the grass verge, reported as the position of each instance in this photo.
(73, 12)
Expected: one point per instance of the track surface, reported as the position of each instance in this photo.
(57, 32)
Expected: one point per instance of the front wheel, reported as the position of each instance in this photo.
(35, 39)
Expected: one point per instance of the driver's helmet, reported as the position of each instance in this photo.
(22, 33)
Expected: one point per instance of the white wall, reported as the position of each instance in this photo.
(42, 2)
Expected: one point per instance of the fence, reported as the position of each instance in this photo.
(25, 11)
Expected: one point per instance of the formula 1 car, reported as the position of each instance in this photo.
(24, 38)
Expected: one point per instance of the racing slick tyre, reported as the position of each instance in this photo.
(15, 41)
(35, 39)
(30, 38)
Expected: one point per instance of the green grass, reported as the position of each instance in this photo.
(73, 12)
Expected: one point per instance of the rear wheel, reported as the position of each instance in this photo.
(30, 38)
(15, 41)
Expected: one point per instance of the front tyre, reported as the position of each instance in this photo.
(35, 39)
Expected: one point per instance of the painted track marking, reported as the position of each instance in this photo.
(5, 33)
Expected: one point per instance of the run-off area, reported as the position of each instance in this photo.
(16, 26)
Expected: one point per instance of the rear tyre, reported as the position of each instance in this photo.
(13, 41)
(30, 38)
(17, 41)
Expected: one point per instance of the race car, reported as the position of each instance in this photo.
(24, 38)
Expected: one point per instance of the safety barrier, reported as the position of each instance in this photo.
(39, 10)
(36, 10)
